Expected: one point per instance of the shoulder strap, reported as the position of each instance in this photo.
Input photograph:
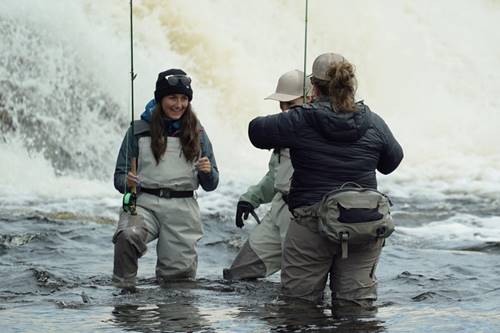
(141, 127)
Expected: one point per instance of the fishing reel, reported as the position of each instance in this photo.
(129, 202)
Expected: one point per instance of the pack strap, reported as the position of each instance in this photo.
(346, 184)
(306, 211)
(352, 186)
(344, 236)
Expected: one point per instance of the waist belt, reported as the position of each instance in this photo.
(166, 193)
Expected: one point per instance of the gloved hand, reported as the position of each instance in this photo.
(242, 210)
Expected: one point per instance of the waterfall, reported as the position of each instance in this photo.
(428, 68)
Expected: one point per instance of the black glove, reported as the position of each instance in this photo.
(242, 210)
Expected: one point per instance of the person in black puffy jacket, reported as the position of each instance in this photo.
(332, 141)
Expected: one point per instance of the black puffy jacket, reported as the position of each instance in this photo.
(328, 148)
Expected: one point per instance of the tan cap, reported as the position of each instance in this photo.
(322, 64)
(290, 86)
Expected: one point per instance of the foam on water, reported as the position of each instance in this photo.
(457, 231)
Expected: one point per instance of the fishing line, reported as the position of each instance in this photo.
(305, 51)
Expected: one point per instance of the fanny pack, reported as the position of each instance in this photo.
(353, 214)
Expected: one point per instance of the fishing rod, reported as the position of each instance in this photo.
(132, 74)
(130, 198)
(305, 51)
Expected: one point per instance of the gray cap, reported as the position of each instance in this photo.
(290, 86)
(323, 63)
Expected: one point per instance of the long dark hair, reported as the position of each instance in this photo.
(341, 88)
(189, 135)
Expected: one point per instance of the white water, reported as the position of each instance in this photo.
(428, 68)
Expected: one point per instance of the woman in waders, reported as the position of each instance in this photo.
(332, 141)
(260, 256)
(174, 155)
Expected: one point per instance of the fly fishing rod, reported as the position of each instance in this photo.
(132, 74)
(305, 52)
(130, 198)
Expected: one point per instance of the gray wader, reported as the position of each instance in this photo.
(309, 257)
(175, 222)
(260, 255)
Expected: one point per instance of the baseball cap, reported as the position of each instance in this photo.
(290, 86)
(323, 63)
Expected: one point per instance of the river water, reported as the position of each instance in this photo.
(428, 68)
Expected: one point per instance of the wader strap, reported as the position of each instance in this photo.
(380, 242)
(284, 197)
(344, 237)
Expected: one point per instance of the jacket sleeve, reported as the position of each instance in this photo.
(208, 181)
(392, 153)
(275, 131)
(263, 192)
(128, 150)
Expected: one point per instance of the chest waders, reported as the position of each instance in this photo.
(172, 217)
(260, 255)
(317, 244)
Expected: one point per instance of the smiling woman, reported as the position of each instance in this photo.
(174, 106)
(174, 155)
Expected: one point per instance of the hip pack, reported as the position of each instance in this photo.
(354, 214)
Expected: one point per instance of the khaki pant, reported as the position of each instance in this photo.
(309, 258)
(260, 256)
(176, 224)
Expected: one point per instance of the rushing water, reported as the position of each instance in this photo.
(429, 68)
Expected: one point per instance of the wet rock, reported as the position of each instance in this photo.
(409, 276)
(46, 280)
(430, 295)
(69, 305)
(424, 296)
(488, 247)
(85, 298)
(10, 241)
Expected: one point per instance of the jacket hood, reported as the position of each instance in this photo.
(171, 126)
(338, 126)
(148, 111)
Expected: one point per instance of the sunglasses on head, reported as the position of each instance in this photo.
(174, 79)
